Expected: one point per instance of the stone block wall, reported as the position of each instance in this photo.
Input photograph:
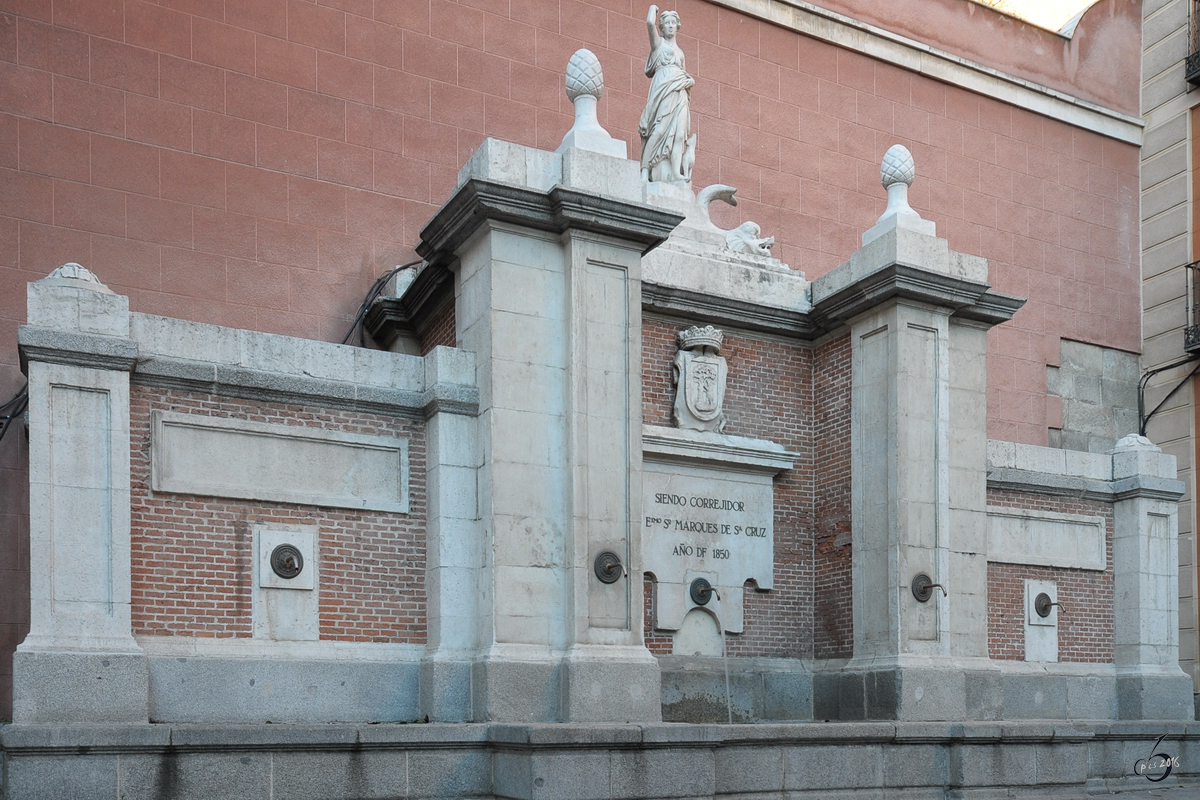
(258, 170)
(1085, 624)
(869, 760)
(1168, 217)
(823, 539)
(191, 555)
(1094, 390)
(1101, 528)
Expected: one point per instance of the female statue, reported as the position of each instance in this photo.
(666, 123)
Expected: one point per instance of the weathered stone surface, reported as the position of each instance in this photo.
(702, 522)
(906, 760)
(206, 455)
(1026, 536)
(290, 689)
(340, 776)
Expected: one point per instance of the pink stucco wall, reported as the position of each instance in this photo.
(1100, 62)
(256, 164)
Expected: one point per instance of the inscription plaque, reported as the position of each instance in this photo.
(706, 523)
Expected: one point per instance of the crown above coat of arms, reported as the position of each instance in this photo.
(696, 337)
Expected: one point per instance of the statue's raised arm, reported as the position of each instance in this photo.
(651, 19)
(666, 123)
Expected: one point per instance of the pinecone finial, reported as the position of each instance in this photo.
(584, 75)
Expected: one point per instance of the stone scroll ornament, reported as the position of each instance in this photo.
(668, 148)
(699, 372)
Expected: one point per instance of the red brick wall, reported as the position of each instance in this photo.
(833, 635)
(657, 642)
(768, 395)
(191, 554)
(658, 351)
(14, 547)
(442, 332)
(1085, 628)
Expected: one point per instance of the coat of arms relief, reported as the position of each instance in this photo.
(699, 372)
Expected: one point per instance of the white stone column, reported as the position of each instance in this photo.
(918, 500)
(79, 662)
(899, 491)
(966, 542)
(1150, 683)
(510, 295)
(546, 253)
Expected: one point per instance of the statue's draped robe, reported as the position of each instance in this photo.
(666, 123)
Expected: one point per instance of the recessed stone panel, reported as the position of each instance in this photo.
(1045, 538)
(81, 503)
(192, 454)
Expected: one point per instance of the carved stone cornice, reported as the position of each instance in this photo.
(673, 301)
(1043, 483)
(557, 210)
(711, 449)
(992, 308)
(967, 298)
(35, 343)
(205, 372)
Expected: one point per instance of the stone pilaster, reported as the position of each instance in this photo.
(918, 315)
(545, 250)
(452, 546)
(79, 661)
(1150, 683)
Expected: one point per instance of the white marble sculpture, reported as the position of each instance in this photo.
(745, 239)
(585, 84)
(668, 148)
(699, 372)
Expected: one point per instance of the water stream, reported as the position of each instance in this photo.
(725, 661)
(724, 656)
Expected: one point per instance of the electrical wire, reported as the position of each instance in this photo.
(13, 409)
(372, 294)
(1143, 417)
